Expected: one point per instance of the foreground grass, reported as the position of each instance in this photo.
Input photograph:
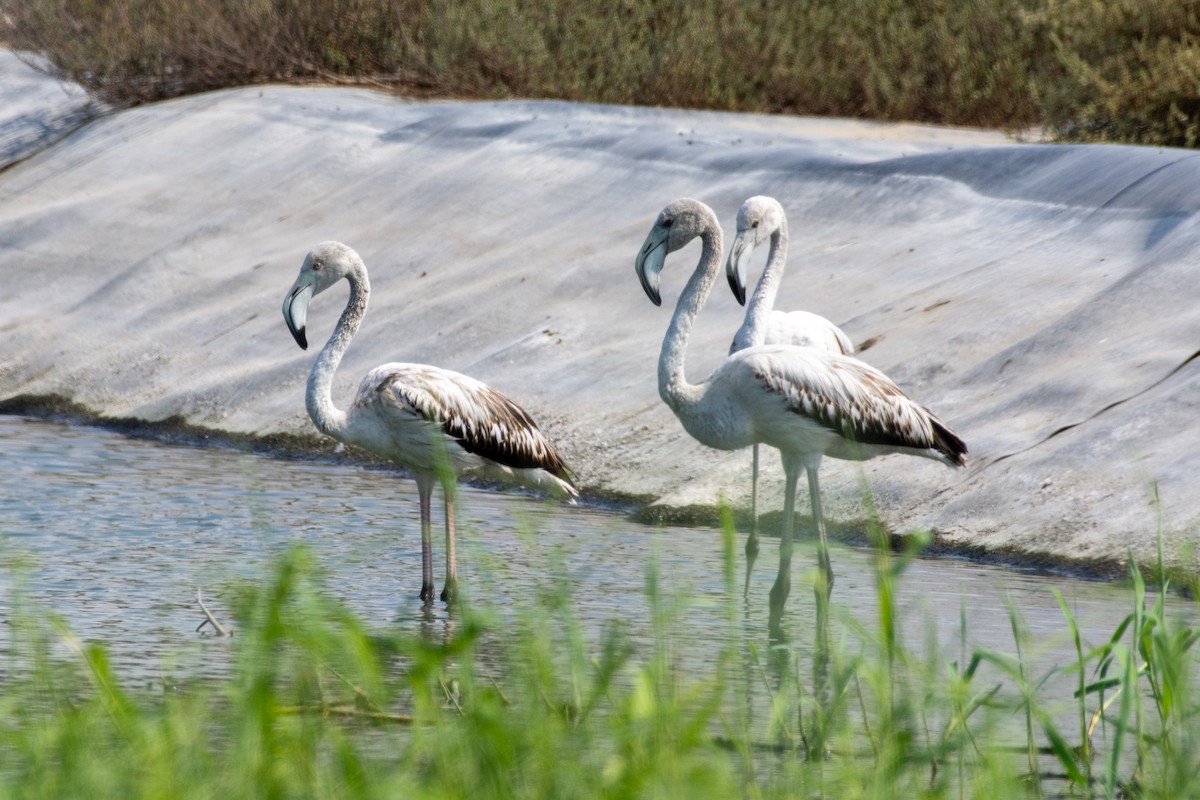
(1113, 70)
(525, 704)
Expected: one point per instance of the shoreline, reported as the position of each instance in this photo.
(316, 448)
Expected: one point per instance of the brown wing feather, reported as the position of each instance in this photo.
(862, 405)
(481, 419)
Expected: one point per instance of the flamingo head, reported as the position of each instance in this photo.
(758, 219)
(676, 225)
(325, 265)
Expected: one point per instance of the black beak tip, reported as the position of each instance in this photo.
(651, 291)
(739, 291)
(301, 338)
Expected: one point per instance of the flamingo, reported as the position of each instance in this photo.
(432, 421)
(805, 402)
(761, 218)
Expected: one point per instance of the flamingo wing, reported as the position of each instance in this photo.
(482, 420)
(853, 400)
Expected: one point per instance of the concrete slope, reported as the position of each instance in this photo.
(35, 110)
(1042, 299)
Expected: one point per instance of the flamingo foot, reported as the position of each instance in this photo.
(778, 599)
(752, 546)
(751, 557)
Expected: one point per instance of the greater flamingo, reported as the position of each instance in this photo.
(805, 402)
(761, 218)
(435, 422)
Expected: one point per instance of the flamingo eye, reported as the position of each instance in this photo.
(316, 265)
(754, 224)
(667, 222)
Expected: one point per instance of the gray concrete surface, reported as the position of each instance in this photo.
(36, 111)
(1042, 299)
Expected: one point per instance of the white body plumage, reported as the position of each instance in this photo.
(805, 329)
(801, 399)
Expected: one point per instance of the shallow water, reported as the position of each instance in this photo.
(118, 533)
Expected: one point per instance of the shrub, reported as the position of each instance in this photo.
(1125, 70)
(1115, 70)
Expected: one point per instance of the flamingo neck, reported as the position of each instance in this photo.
(754, 329)
(328, 418)
(672, 382)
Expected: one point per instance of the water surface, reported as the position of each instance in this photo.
(118, 533)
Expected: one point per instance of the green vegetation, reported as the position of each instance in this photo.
(524, 703)
(1114, 70)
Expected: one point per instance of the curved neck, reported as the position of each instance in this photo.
(325, 415)
(754, 329)
(672, 383)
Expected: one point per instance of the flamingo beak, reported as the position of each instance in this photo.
(295, 310)
(735, 266)
(650, 260)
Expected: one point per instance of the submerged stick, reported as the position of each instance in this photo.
(210, 619)
(347, 711)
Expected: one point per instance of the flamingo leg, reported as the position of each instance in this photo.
(783, 581)
(823, 562)
(823, 588)
(425, 492)
(752, 539)
(450, 590)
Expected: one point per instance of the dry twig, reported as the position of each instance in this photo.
(347, 711)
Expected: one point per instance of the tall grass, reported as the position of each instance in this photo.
(523, 702)
(1117, 70)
